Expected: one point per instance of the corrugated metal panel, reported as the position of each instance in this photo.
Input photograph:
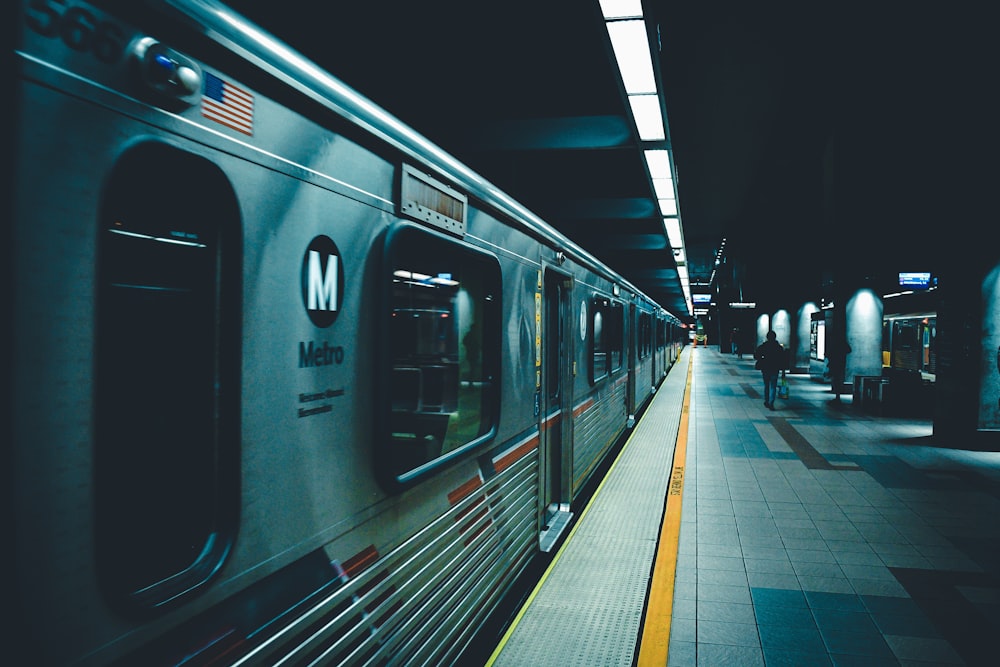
(596, 429)
(422, 601)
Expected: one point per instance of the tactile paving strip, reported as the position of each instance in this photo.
(589, 609)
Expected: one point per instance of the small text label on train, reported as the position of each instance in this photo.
(315, 354)
(320, 408)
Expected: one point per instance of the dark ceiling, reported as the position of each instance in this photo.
(817, 140)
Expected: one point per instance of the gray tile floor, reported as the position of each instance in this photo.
(817, 534)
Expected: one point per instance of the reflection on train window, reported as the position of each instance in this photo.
(606, 340)
(443, 338)
(166, 454)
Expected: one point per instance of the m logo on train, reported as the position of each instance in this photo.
(322, 281)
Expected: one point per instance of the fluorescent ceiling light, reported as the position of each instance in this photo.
(664, 188)
(648, 120)
(630, 44)
(658, 162)
(413, 275)
(448, 282)
(621, 9)
(631, 47)
(673, 227)
(161, 239)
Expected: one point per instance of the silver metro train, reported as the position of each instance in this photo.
(290, 384)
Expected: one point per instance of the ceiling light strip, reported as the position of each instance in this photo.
(626, 27)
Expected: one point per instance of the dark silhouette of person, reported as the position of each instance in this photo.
(771, 359)
(836, 360)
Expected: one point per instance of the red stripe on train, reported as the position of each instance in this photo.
(465, 490)
(508, 459)
(356, 564)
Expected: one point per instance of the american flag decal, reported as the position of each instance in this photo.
(226, 104)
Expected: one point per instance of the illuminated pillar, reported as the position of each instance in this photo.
(763, 326)
(864, 335)
(781, 325)
(801, 351)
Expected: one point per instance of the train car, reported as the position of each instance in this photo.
(290, 384)
(909, 344)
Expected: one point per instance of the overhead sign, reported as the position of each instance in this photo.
(914, 279)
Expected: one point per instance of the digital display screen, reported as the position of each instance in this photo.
(701, 298)
(914, 279)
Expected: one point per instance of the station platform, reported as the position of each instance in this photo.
(726, 533)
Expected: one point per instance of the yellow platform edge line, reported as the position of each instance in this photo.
(555, 559)
(655, 636)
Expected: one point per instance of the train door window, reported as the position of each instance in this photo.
(645, 335)
(598, 344)
(167, 387)
(442, 338)
(606, 337)
(615, 326)
(648, 334)
(555, 337)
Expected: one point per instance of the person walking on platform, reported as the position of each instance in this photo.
(770, 356)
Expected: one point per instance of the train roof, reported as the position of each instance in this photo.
(266, 52)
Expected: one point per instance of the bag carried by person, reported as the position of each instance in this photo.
(782, 386)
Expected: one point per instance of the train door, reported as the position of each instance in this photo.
(557, 423)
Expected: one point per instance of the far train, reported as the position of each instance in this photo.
(290, 384)
(909, 344)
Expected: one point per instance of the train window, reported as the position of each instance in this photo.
(606, 338)
(645, 335)
(167, 405)
(640, 338)
(443, 343)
